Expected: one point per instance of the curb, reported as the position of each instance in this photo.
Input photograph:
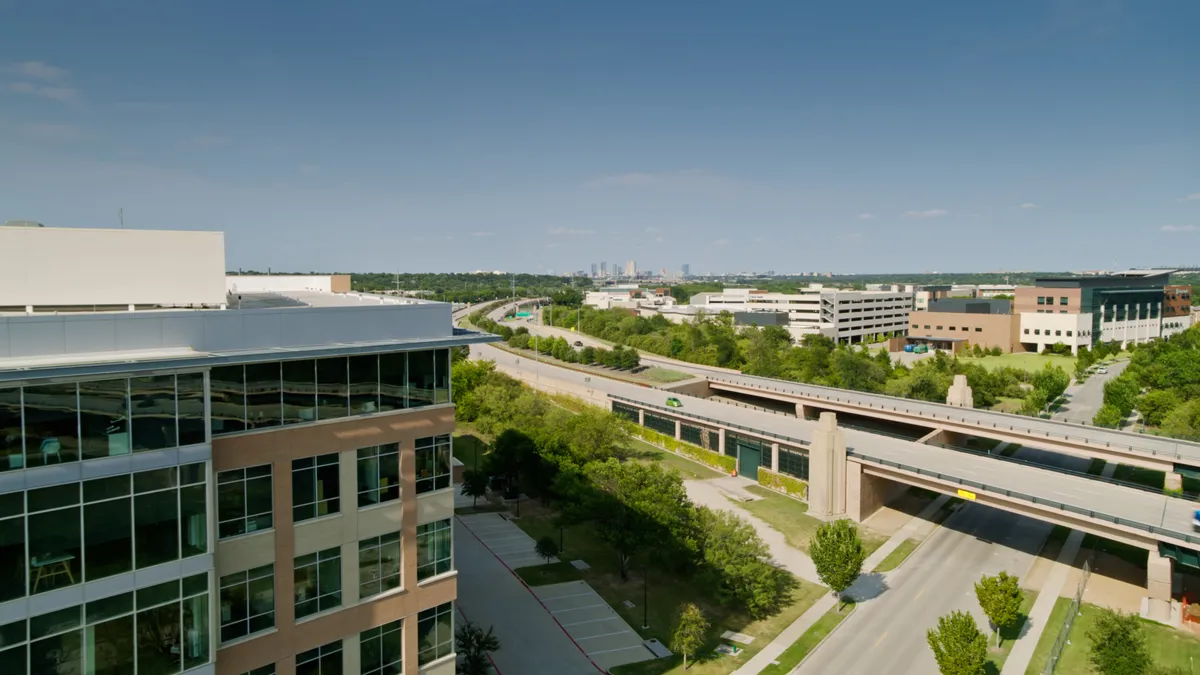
(827, 636)
(936, 527)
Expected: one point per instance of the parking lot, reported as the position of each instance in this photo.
(506, 540)
(594, 626)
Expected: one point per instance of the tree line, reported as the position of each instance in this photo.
(1162, 382)
(577, 463)
(470, 288)
(617, 358)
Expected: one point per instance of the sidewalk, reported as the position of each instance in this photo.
(864, 586)
(1022, 651)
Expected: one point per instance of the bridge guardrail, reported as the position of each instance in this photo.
(1028, 430)
(677, 413)
(1062, 506)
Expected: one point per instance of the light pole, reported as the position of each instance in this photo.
(645, 599)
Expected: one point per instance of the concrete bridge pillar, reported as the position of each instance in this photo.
(641, 417)
(1158, 588)
(801, 411)
(827, 469)
(775, 457)
(678, 430)
(721, 440)
(1174, 482)
(960, 393)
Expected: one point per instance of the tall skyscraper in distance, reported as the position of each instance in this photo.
(603, 269)
(593, 270)
(687, 271)
(631, 268)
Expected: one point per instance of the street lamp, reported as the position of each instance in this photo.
(645, 600)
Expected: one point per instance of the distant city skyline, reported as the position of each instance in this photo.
(1047, 134)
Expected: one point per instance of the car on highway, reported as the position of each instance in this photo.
(673, 402)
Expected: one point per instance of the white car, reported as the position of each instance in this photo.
(1102, 371)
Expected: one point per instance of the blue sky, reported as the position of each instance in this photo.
(457, 135)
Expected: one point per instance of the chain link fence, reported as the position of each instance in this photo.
(1060, 642)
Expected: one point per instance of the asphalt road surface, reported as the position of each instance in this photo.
(1084, 400)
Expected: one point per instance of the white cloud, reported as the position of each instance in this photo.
(1194, 197)
(36, 70)
(691, 180)
(568, 230)
(56, 93)
(1029, 205)
(928, 213)
(659, 240)
(721, 242)
(483, 234)
(1177, 228)
(866, 216)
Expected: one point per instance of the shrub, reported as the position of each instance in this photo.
(781, 482)
(706, 457)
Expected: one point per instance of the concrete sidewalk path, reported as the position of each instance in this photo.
(705, 493)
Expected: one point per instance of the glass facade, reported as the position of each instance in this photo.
(247, 602)
(378, 474)
(63, 535)
(435, 633)
(381, 649)
(315, 487)
(159, 630)
(261, 395)
(49, 424)
(378, 564)
(691, 434)
(793, 462)
(244, 501)
(324, 660)
(318, 578)
(434, 549)
(433, 463)
(627, 411)
(660, 424)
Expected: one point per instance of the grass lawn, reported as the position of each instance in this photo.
(791, 518)
(647, 453)
(667, 592)
(1170, 647)
(1140, 476)
(664, 375)
(898, 556)
(468, 445)
(553, 573)
(981, 444)
(1097, 466)
(792, 656)
(1011, 449)
(1009, 635)
(1007, 405)
(1026, 361)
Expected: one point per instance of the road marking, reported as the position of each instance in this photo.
(919, 594)
(576, 609)
(548, 598)
(879, 640)
(593, 637)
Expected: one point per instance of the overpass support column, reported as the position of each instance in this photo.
(641, 417)
(960, 393)
(827, 469)
(721, 440)
(678, 430)
(1174, 482)
(775, 457)
(801, 410)
(1158, 588)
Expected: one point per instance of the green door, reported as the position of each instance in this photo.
(749, 455)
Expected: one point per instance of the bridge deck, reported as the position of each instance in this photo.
(1130, 507)
(1183, 452)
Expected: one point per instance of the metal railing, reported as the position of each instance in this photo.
(926, 409)
(1060, 642)
(1041, 501)
(675, 413)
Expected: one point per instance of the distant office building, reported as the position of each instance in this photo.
(604, 269)
(189, 485)
(631, 268)
(687, 272)
(593, 270)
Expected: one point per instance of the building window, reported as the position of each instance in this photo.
(433, 463)
(977, 329)
(318, 582)
(324, 660)
(264, 404)
(435, 633)
(100, 637)
(793, 463)
(1063, 300)
(1068, 333)
(154, 414)
(1041, 300)
(378, 474)
(434, 549)
(951, 327)
(378, 564)
(1058, 333)
(247, 602)
(333, 388)
(939, 327)
(1037, 331)
(244, 501)
(926, 326)
(382, 649)
(268, 669)
(315, 487)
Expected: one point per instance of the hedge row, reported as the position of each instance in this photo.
(779, 482)
(706, 457)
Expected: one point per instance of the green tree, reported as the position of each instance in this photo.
(1108, 416)
(690, 632)
(1118, 644)
(474, 644)
(1154, 406)
(546, 548)
(738, 564)
(474, 485)
(1184, 421)
(959, 647)
(1122, 393)
(1052, 380)
(1000, 598)
(1034, 402)
(837, 553)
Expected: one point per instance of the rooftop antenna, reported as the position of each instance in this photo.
(121, 216)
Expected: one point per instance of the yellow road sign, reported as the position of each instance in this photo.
(966, 494)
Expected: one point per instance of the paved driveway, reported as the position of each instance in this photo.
(1084, 400)
(506, 540)
(593, 624)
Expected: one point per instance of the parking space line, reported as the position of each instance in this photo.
(576, 609)
(618, 649)
(580, 623)
(569, 595)
(593, 637)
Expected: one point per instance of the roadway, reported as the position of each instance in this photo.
(1085, 398)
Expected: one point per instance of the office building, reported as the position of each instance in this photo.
(1177, 309)
(687, 271)
(631, 269)
(594, 270)
(846, 316)
(187, 486)
(954, 323)
(604, 269)
(1083, 311)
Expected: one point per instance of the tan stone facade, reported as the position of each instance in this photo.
(287, 540)
(985, 330)
(1026, 300)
